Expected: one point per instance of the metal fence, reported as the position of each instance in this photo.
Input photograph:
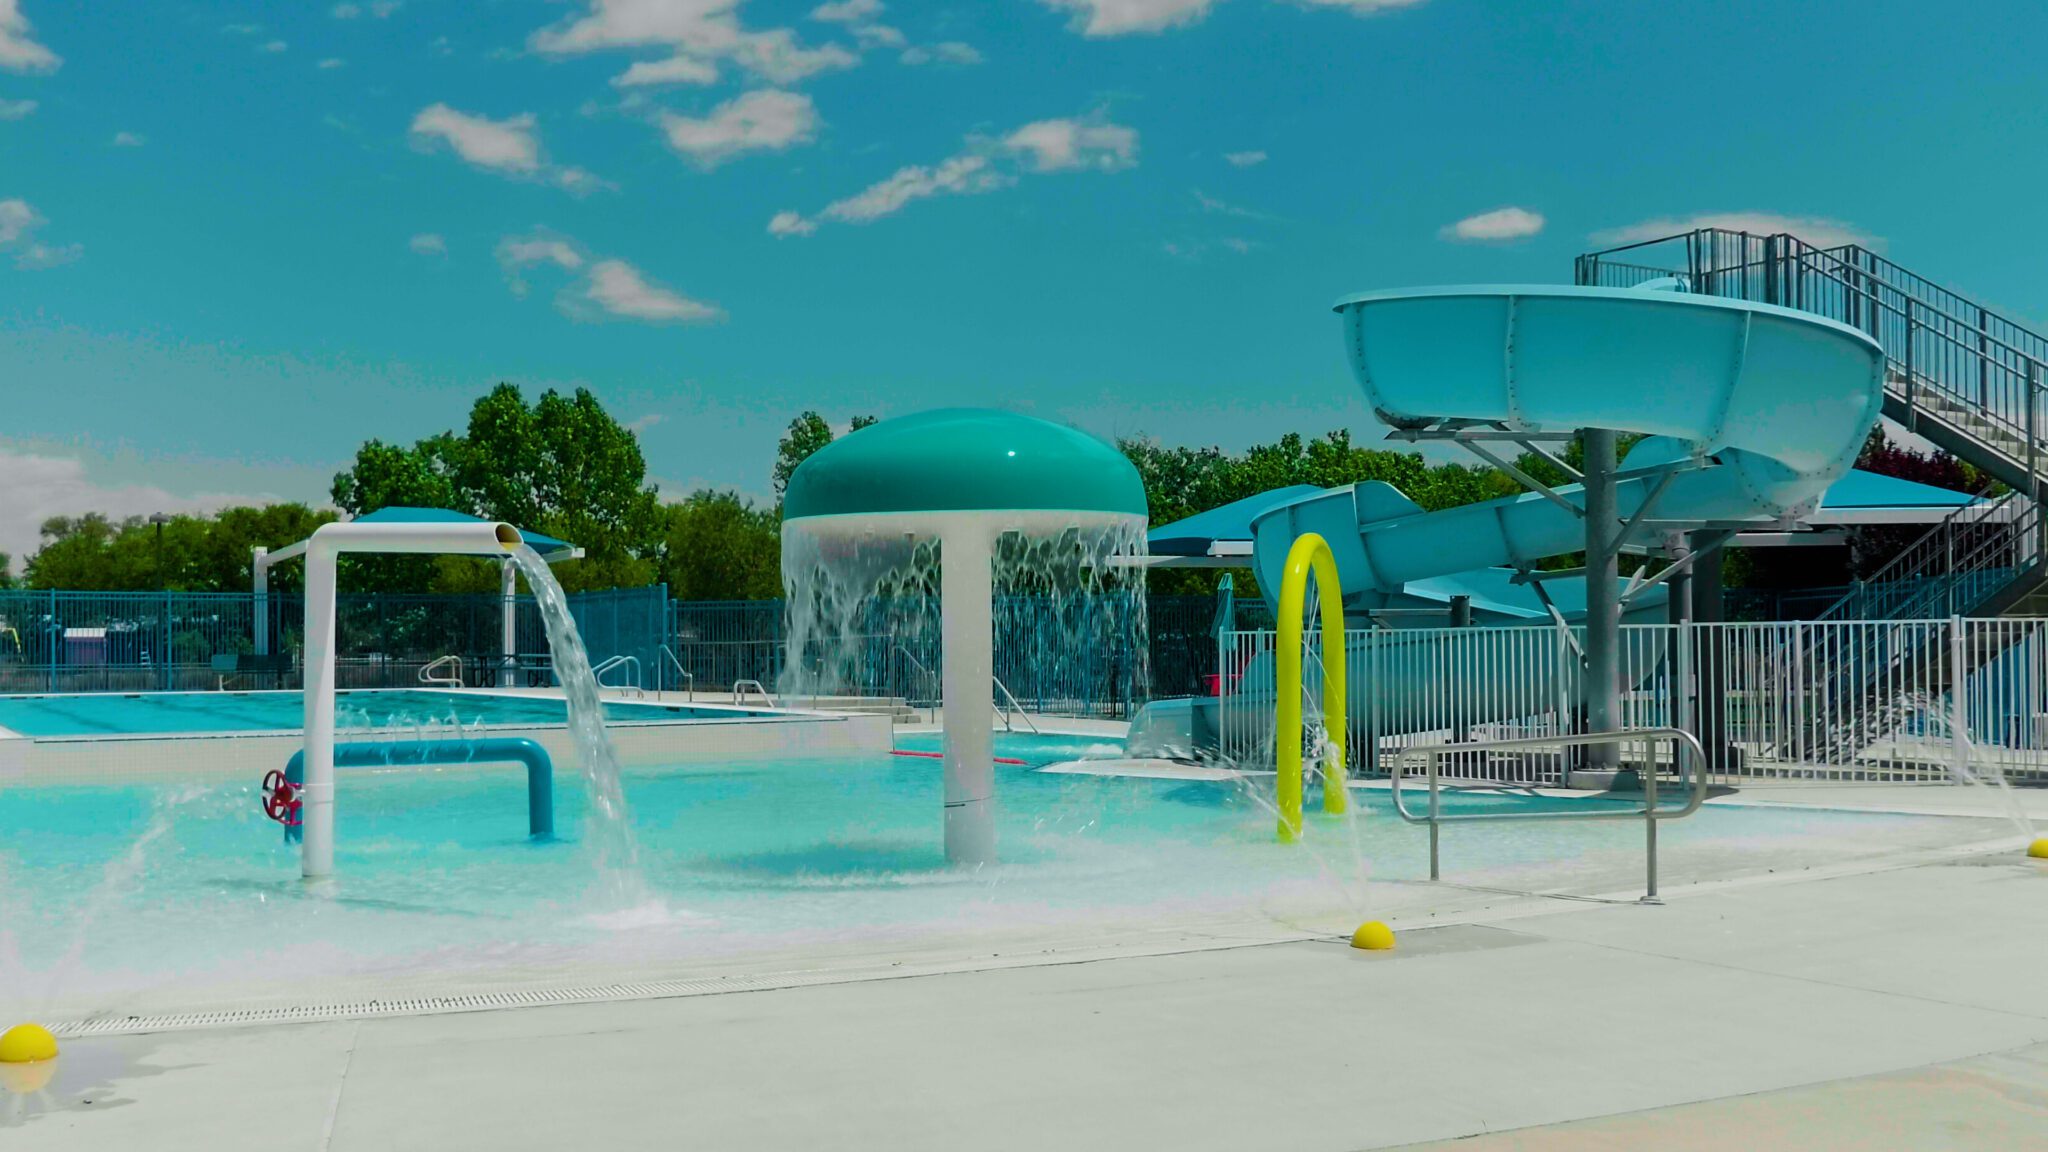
(1888, 701)
(181, 641)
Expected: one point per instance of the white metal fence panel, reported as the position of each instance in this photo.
(1881, 701)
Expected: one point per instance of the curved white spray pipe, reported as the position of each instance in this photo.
(316, 857)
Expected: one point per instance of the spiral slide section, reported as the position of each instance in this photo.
(1764, 406)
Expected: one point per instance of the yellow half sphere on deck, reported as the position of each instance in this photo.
(26, 1044)
(1373, 936)
(2039, 849)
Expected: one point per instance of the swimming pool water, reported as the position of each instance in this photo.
(112, 714)
(139, 896)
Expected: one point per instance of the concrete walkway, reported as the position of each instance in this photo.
(1888, 1009)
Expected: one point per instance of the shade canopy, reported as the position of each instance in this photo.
(964, 460)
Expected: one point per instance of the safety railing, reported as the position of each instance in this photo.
(437, 672)
(741, 687)
(1952, 567)
(1868, 701)
(1975, 378)
(631, 664)
(934, 693)
(689, 679)
(1015, 709)
(1686, 758)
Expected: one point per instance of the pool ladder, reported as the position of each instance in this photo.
(447, 681)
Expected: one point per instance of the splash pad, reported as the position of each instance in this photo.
(953, 494)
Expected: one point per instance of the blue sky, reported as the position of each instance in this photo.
(237, 238)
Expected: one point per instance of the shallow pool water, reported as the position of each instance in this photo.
(116, 897)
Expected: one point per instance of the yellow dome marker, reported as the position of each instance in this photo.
(26, 1044)
(1373, 936)
(2039, 849)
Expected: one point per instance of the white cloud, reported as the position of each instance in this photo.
(128, 140)
(381, 9)
(1213, 206)
(1361, 7)
(1244, 159)
(19, 53)
(964, 175)
(1816, 230)
(606, 287)
(787, 223)
(346, 11)
(847, 11)
(428, 244)
(1126, 17)
(1500, 224)
(1059, 145)
(1122, 17)
(19, 225)
(39, 487)
(273, 46)
(16, 109)
(945, 52)
(619, 289)
(987, 165)
(331, 63)
(766, 120)
(240, 29)
(509, 147)
(705, 32)
(674, 70)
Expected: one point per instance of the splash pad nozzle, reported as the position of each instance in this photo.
(867, 508)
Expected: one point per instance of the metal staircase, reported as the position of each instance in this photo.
(1963, 376)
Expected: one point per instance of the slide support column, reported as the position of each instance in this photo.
(1603, 599)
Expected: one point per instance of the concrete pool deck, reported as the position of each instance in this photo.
(1885, 1004)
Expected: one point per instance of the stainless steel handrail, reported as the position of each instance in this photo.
(685, 673)
(737, 698)
(1680, 740)
(1015, 707)
(932, 682)
(631, 663)
(455, 681)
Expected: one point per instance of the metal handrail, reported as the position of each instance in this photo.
(1680, 740)
(455, 681)
(1016, 707)
(688, 678)
(757, 686)
(620, 661)
(931, 680)
(1918, 560)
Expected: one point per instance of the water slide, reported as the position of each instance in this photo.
(1748, 413)
(1764, 406)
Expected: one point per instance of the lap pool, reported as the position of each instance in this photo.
(114, 714)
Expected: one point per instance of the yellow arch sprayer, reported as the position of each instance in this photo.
(1310, 556)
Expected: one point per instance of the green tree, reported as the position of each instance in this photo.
(807, 433)
(718, 546)
(182, 553)
(561, 465)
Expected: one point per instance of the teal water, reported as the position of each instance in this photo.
(175, 892)
(111, 714)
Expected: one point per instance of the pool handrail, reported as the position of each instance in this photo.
(1682, 742)
(738, 687)
(1015, 708)
(427, 673)
(540, 768)
(685, 673)
(631, 663)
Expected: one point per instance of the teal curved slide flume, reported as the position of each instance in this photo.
(1773, 403)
